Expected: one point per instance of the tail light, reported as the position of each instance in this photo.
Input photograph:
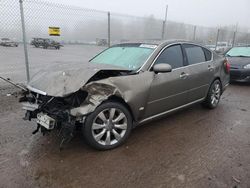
(226, 65)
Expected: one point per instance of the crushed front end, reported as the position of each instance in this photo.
(53, 113)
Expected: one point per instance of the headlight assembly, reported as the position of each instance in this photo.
(247, 66)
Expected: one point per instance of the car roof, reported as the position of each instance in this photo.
(154, 42)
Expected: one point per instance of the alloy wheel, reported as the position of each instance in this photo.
(216, 93)
(109, 126)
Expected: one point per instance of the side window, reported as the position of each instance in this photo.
(172, 56)
(195, 54)
(208, 54)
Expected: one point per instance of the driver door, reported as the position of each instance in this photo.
(169, 90)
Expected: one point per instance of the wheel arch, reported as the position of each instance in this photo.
(217, 78)
(115, 98)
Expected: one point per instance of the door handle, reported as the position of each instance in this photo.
(210, 68)
(184, 75)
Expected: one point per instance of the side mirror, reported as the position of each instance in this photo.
(162, 67)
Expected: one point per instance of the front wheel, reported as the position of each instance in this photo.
(213, 97)
(108, 126)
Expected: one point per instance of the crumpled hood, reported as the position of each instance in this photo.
(67, 78)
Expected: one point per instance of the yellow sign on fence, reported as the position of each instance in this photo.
(54, 31)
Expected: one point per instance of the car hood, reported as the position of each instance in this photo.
(238, 62)
(65, 79)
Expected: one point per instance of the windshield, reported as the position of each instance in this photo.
(129, 57)
(239, 52)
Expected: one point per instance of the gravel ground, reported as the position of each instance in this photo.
(192, 148)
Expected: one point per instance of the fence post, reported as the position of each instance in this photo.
(24, 41)
(248, 38)
(109, 29)
(194, 36)
(217, 39)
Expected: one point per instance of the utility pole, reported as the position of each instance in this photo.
(217, 39)
(108, 29)
(194, 36)
(234, 36)
(24, 41)
(164, 24)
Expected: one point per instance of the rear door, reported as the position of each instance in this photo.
(201, 69)
(169, 90)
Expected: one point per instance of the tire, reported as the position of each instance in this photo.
(213, 97)
(103, 134)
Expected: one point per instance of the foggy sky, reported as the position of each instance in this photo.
(198, 12)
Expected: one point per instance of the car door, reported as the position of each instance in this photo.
(169, 90)
(201, 70)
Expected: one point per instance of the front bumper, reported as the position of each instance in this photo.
(240, 74)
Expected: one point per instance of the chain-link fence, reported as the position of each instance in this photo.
(11, 53)
(85, 32)
(130, 28)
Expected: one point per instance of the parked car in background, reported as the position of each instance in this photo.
(239, 58)
(211, 46)
(8, 42)
(45, 43)
(222, 47)
(124, 86)
(101, 42)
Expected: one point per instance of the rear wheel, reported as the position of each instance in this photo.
(108, 126)
(213, 97)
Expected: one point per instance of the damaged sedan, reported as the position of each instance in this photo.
(124, 86)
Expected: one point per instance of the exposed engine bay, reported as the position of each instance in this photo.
(66, 113)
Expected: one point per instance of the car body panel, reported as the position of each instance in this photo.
(146, 94)
(240, 75)
(167, 91)
(62, 80)
(237, 70)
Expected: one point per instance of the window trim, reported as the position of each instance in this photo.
(162, 50)
(203, 53)
(185, 60)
